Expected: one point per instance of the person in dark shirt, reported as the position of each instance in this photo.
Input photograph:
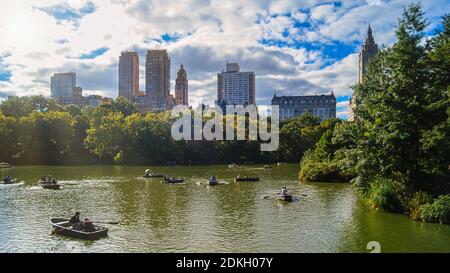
(75, 219)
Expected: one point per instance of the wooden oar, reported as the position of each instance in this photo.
(110, 223)
(267, 196)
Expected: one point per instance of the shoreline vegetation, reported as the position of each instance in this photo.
(397, 152)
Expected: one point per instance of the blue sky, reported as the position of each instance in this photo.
(94, 54)
(294, 47)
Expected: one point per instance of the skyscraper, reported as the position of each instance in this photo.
(129, 75)
(368, 50)
(62, 85)
(181, 87)
(235, 87)
(157, 78)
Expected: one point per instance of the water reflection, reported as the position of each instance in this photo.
(193, 217)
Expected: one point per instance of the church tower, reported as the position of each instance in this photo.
(368, 50)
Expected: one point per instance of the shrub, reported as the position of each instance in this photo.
(438, 211)
(386, 194)
(420, 198)
(323, 170)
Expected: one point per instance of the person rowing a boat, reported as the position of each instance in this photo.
(8, 179)
(75, 219)
(284, 191)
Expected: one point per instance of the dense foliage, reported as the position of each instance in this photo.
(398, 149)
(36, 130)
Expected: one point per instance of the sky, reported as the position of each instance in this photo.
(296, 47)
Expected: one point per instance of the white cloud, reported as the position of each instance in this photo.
(35, 44)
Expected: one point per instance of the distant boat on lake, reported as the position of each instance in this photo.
(4, 165)
(246, 179)
(213, 181)
(9, 180)
(64, 227)
(284, 195)
(50, 183)
(172, 180)
(149, 174)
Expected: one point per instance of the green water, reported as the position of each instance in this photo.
(193, 217)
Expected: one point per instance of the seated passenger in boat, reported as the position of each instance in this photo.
(88, 225)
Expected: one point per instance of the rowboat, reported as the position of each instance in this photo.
(287, 197)
(148, 174)
(9, 180)
(173, 180)
(64, 227)
(4, 165)
(213, 181)
(246, 179)
(49, 186)
(50, 183)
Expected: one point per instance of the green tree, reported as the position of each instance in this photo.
(23, 106)
(299, 135)
(107, 134)
(123, 106)
(7, 137)
(396, 109)
(44, 137)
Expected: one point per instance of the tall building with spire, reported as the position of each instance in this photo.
(129, 75)
(157, 78)
(368, 50)
(181, 87)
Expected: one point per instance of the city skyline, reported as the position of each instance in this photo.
(294, 47)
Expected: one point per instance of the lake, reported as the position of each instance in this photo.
(193, 217)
